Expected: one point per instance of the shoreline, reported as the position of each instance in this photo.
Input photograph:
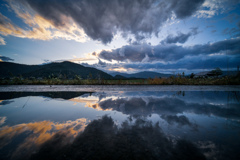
(106, 88)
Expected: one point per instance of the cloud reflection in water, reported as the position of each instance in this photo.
(111, 137)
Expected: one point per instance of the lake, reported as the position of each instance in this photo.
(139, 122)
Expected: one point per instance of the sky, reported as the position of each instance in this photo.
(166, 36)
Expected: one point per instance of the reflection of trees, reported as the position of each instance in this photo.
(102, 139)
(233, 96)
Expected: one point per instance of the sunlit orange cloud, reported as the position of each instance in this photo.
(40, 132)
(120, 69)
(84, 100)
(91, 103)
(88, 60)
(41, 28)
(96, 106)
(7, 28)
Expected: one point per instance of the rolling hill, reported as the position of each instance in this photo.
(63, 69)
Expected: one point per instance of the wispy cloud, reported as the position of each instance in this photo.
(2, 120)
(211, 8)
(180, 37)
(2, 42)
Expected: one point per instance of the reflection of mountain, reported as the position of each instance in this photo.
(62, 95)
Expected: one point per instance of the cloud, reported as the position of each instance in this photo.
(180, 37)
(37, 27)
(185, 8)
(179, 120)
(39, 133)
(139, 105)
(169, 52)
(189, 64)
(7, 28)
(103, 139)
(5, 59)
(100, 20)
(232, 32)
(211, 8)
(2, 120)
(5, 102)
(2, 42)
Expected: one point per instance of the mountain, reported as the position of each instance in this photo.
(145, 74)
(63, 69)
(9, 69)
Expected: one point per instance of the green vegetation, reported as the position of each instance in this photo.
(177, 80)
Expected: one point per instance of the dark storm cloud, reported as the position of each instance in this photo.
(185, 8)
(190, 63)
(134, 53)
(102, 19)
(170, 52)
(180, 37)
(6, 59)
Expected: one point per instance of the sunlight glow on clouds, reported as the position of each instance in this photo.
(120, 69)
(40, 28)
(40, 132)
(99, 20)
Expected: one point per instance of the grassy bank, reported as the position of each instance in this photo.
(155, 81)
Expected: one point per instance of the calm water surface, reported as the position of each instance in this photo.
(120, 125)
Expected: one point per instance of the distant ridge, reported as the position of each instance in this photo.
(64, 69)
(145, 74)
